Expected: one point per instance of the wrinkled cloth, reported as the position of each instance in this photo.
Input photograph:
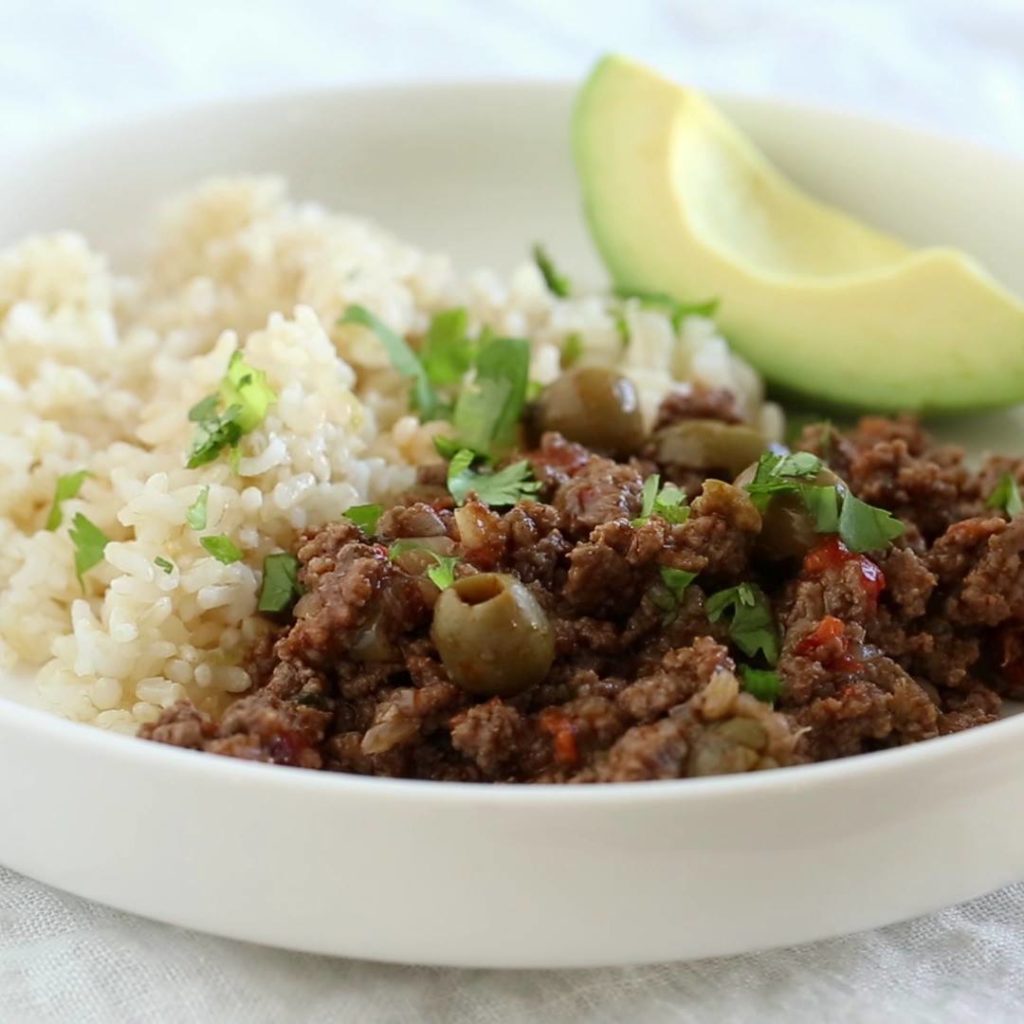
(945, 64)
(63, 959)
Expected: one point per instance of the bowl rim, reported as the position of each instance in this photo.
(49, 727)
(140, 119)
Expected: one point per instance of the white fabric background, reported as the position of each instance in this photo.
(952, 64)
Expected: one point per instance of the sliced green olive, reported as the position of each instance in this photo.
(594, 406)
(708, 444)
(787, 528)
(493, 637)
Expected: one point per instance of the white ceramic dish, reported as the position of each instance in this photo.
(505, 876)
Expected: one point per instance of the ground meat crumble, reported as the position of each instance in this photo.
(919, 640)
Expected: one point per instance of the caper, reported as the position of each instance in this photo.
(707, 445)
(787, 527)
(594, 406)
(493, 637)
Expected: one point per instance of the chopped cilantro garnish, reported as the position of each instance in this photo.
(489, 406)
(558, 284)
(763, 683)
(822, 504)
(676, 311)
(667, 595)
(676, 580)
(215, 434)
(364, 516)
(572, 349)
(1006, 496)
(247, 388)
(245, 395)
(669, 502)
(161, 563)
(860, 526)
(797, 464)
(752, 628)
(204, 409)
(222, 548)
(505, 487)
(863, 527)
(448, 350)
(446, 446)
(404, 360)
(648, 496)
(90, 542)
(280, 588)
(67, 487)
(671, 505)
(781, 474)
(442, 575)
(196, 514)
(399, 547)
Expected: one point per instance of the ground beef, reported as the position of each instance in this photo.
(921, 639)
(699, 403)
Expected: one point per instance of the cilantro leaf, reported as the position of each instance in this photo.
(572, 349)
(67, 487)
(442, 575)
(196, 514)
(280, 588)
(669, 502)
(648, 496)
(558, 284)
(161, 563)
(675, 310)
(507, 486)
(246, 395)
(446, 446)
(781, 474)
(753, 627)
(222, 548)
(206, 408)
(364, 516)
(1006, 496)
(797, 464)
(247, 388)
(403, 359)
(90, 542)
(667, 595)
(671, 505)
(448, 350)
(822, 504)
(763, 683)
(214, 435)
(863, 527)
(489, 406)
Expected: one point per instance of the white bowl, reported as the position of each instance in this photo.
(501, 875)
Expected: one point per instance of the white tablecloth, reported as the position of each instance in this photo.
(955, 64)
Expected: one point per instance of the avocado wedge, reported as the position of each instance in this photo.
(827, 308)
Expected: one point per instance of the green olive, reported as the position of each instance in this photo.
(493, 637)
(787, 528)
(708, 444)
(594, 406)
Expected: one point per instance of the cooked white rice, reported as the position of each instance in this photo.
(98, 372)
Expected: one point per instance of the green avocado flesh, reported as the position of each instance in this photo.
(826, 308)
